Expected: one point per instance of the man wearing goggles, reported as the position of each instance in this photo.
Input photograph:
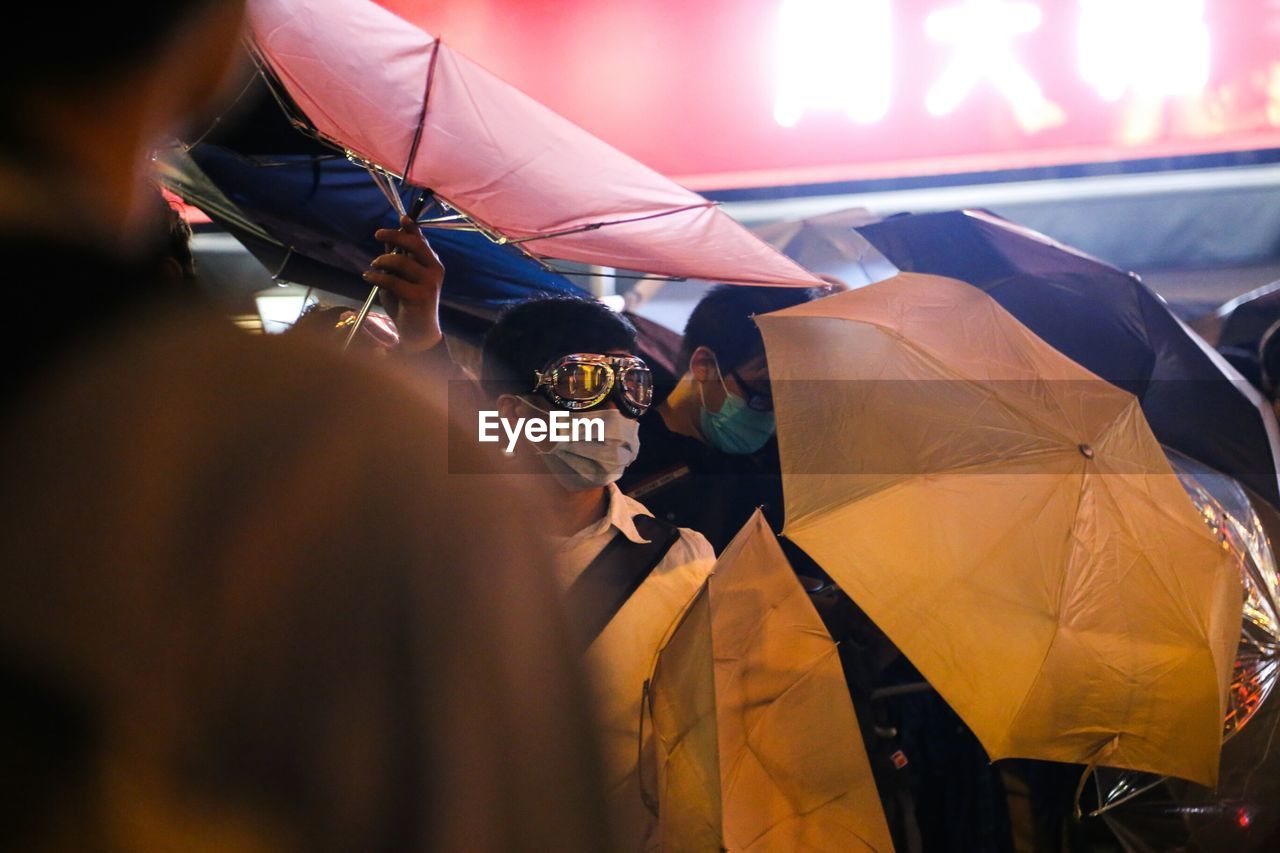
(628, 577)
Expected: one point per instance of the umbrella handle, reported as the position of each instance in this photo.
(413, 213)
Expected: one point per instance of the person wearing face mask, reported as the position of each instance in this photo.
(628, 577)
(709, 456)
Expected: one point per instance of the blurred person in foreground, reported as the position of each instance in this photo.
(230, 619)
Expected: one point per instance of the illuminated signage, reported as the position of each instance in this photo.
(980, 34)
(741, 93)
(1150, 48)
(834, 55)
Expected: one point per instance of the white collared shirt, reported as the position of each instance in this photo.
(622, 658)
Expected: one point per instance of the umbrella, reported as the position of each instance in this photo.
(1157, 813)
(1241, 322)
(310, 220)
(394, 96)
(794, 772)
(828, 245)
(325, 210)
(1008, 520)
(1108, 322)
(681, 707)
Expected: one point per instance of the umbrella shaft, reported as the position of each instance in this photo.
(364, 312)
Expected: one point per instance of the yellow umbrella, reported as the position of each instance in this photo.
(793, 770)
(681, 707)
(1009, 521)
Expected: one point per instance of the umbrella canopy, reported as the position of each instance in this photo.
(1241, 322)
(681, 707)
(1158, 813)
(1110, 323)
(397, 97)
(794, 772)
(1009, 521)
(827, 244)
(326, 210)
(310, 220)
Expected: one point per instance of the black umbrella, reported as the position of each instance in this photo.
(1109, 322)
(1241, 322)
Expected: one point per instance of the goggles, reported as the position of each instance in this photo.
(583, 381)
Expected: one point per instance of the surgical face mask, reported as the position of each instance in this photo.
(736, 428)
(582, 465)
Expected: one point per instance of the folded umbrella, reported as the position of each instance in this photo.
(794, 771)
(1009, 521)
(394, 96)
(1108, 322)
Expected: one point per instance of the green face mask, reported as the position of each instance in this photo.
(736, 428)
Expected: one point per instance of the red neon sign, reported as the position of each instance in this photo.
(730, 93)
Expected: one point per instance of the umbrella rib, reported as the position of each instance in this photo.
(422, 116)
(593, 226)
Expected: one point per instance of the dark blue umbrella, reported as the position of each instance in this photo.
(325, 210)
(310, 219)
(1109, 322)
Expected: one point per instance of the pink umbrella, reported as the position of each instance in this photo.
(394, 96)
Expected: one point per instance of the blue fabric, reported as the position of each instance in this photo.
(327, 210)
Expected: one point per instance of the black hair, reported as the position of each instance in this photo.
(102, 38)
(177, 243)
(102, 41)
(532, 333)
(723, 321)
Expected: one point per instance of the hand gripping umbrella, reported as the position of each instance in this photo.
(1011, 524)
(396, 98)
(1108, 322)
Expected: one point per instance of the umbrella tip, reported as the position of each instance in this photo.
(1085, 450)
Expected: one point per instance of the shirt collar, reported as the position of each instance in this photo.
(619, 515)
(622, 512)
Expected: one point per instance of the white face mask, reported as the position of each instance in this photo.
(582, 465)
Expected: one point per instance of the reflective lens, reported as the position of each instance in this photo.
(581, 382)
(637, 384)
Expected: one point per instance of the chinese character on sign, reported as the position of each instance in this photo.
(1151, 49)
(981, 34)
(833, 56)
